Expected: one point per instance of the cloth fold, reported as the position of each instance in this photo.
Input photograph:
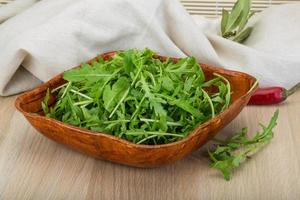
(53, 36)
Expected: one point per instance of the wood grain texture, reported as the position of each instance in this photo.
(108, 147)
(34, 167)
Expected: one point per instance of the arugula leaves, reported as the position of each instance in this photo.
(232, 153)
(138, 97)
(45, 102)
(112, 95)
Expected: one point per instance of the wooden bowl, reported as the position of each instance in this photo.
(107, 147)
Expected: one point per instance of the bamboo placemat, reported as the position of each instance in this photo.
(213, 8)
(2, 2)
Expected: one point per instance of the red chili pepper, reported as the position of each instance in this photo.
(271, 95)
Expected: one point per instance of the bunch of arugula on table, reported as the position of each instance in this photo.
(231, 153)
(138, 97)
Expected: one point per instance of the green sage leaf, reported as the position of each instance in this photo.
(225, 15)
(243, 35)
(234, 16)
(245, 15)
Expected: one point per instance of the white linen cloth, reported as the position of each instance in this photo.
(52, 36)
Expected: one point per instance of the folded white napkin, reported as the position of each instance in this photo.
(52, 36)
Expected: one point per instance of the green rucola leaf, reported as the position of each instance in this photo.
(234, 16)
(158, 108)
(128, 64)
(111, 95)
(243, 35)
(45, 102)
(230, 154)
(238, 160)
(188, 84)
(184, 104)
(85, 72)
(167, 83)
(207, 97)
(225, 15)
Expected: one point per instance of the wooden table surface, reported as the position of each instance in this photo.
(34, 167)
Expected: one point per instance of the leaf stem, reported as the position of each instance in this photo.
(253, 86)
(168, 123)
(138, 107)
(83, 102)
(153, 133)
(210, 103)
(59, 87)
(228, 94)
(66, 89)
(116, 121)
(83, 95)
(146, 138)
